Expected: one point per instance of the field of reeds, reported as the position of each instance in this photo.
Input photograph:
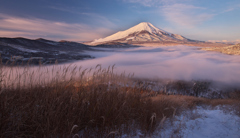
(75, 102)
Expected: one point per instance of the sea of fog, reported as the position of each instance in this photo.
(170, 62)
(165, 62)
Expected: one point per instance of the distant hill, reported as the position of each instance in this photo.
(23, 50)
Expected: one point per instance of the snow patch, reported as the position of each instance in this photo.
(198, 123)
(204, 123)
(130, 38)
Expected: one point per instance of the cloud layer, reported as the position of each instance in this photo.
(11, 26)
(169, 62)
(173, 62)
(177, 11)
(185, 15)
(152, 3)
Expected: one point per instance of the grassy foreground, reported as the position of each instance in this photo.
(97, 104)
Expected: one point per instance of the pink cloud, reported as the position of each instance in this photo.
(33, 28)
(185, 15)
(154, 3)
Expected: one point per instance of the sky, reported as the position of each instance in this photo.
(86, 20)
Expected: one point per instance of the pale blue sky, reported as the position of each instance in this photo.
(83, 20)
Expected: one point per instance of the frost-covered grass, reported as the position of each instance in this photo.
(91, 102)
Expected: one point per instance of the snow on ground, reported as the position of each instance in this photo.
(199, 123)
(212, 124)
(24, 49)
(204, 123)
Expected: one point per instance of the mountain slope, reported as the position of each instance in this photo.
(23, 50)
(143, 32)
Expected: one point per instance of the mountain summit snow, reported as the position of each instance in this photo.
(143, 32)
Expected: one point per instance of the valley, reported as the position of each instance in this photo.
(142, 82)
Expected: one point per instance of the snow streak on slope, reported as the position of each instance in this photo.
(144, 27)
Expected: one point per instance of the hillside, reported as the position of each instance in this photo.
(23, 50)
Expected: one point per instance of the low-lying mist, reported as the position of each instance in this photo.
(168, 62)
(171, 62)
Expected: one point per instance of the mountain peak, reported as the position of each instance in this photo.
(145, 23)
(143, 31)
(145, 26)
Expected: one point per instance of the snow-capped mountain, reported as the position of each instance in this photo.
(143, 32)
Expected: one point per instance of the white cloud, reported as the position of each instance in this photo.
(228, 10)
(177, 12)
(185, 15)
(231, 8)
(147, 3)
(92, 16)
(154, 3)
(11, 26)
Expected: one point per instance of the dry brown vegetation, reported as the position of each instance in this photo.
(231, 50)
(107, 105)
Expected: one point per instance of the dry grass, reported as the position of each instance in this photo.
(181, 103)
(231, 50)
(97, 104)
(187, 102)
